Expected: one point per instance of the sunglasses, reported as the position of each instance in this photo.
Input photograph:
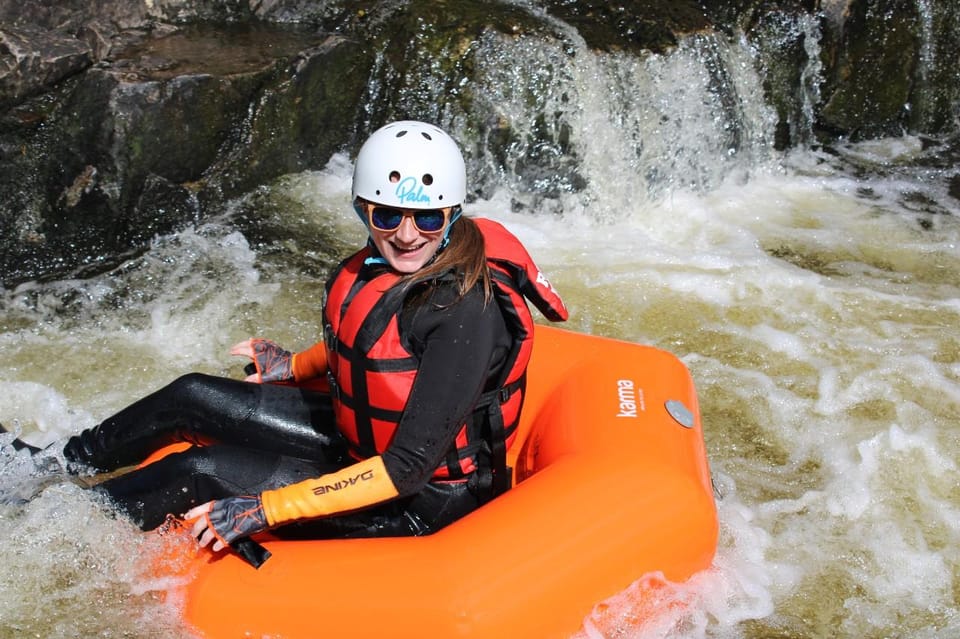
(387, 218)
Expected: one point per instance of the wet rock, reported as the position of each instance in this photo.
(872, 68)
(32, 60)
(782, 35)
(954, 186)
(135, 146)
(641, 25)
(890, 67)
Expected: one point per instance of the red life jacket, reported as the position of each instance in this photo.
(371, 373)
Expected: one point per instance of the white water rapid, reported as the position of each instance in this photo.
(815, 297)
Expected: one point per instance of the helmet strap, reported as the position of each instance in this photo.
(375, 257)
(358, 209)
(454, 216)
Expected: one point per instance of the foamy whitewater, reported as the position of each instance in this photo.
(817, 306)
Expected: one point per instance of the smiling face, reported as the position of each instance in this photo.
(398, 236)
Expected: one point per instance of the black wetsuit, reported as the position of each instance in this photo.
(271, 435)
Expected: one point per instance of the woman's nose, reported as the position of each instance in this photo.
(407, 231)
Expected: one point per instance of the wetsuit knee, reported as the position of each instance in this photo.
(190, 406)
(180, 481)
(217, 399)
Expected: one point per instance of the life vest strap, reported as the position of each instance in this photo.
(489, 441)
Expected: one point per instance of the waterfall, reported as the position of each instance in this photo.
(937, 95)
(591, 132)
(810, 77)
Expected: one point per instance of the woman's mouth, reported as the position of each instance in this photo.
(405, 250)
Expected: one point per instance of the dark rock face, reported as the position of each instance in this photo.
(890, 67)
(36, 59)
(874, 64)
(120, 120)
(134, 146)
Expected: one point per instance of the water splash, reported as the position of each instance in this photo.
(58, 580)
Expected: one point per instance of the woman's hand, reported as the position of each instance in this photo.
(272, 363)
(224, 521)
(201, 529)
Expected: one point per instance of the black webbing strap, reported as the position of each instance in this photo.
(251, 551)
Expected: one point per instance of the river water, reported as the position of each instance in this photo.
(814, 295)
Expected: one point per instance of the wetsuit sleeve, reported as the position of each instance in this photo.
(311, 363)
(363, 484)
(459, 346)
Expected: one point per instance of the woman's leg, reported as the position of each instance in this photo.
(181, 481)
(282, 419)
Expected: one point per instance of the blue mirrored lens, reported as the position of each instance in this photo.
(386, 219)
(428, 221)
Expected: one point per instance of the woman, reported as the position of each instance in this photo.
(426, 340)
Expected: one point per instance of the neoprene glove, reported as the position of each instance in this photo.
(272, 363)
(233, 518)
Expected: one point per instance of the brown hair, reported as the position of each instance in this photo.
(465, 255)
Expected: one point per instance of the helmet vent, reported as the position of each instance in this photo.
(394, 176)
(427, 179)
(400, 134)
(426, 135)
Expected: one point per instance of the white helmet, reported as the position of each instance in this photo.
(411, 165)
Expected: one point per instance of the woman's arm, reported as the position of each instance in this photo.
(458, 346)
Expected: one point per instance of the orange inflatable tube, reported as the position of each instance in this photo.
(612, 483)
